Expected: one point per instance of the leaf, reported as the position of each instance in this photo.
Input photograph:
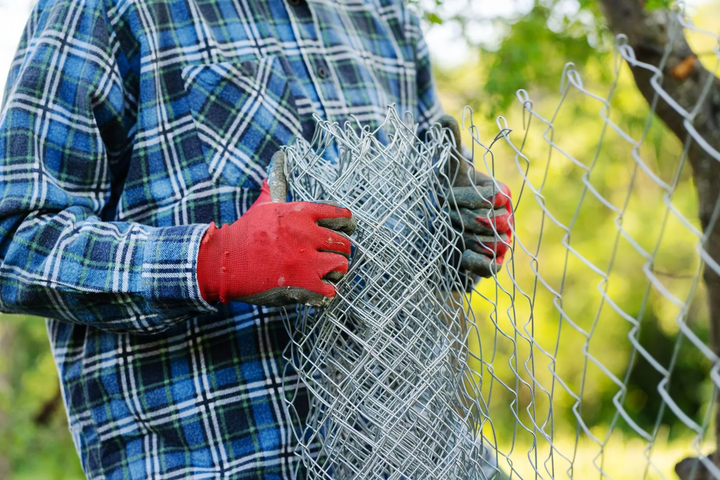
(433, 18)
(656, 4)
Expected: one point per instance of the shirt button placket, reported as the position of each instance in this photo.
(318, 67)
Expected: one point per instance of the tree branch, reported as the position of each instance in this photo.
(43, 417)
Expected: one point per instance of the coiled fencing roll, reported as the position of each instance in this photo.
(385, 364)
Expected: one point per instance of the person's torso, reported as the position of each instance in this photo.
(218, 87)
(223, 84)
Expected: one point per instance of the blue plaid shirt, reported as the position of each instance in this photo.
(127, 127)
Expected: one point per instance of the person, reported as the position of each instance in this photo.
(129, 132)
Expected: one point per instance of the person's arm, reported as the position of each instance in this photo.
(429, 109)
(481, 208)
(66, 131)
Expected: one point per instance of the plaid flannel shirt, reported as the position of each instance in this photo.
(126, 127)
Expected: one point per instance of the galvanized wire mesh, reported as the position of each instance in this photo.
(410, 380)
(385, 363)
(539, 383)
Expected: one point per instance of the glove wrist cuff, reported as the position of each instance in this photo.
(209, 264)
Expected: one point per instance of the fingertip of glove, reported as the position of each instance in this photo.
(343, 224)
(506, 190)
(479, 264)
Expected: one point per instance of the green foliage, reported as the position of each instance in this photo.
(33, 446)
(429, 14)
(532, 55)
(655, 4)
(534, 49)
(433, 18)
(688, 386)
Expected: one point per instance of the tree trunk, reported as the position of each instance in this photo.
(686, 81)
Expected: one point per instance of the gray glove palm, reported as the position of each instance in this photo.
(480, 208)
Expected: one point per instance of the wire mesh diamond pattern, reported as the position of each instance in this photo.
(382, 362)
(412, 376)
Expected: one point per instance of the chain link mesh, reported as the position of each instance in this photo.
(409, 379)
(385, 363)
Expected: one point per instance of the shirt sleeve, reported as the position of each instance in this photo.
(66, 132)
(429, 109)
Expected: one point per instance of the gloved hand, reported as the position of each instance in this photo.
(479, 209)
(277, 253)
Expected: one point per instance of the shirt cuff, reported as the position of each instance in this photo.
(169, 273)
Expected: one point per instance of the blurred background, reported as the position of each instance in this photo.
(483, 52)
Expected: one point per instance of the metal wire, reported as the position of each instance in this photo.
(385, 363)
(409, 379)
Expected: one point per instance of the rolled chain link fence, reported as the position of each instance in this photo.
(409, 378)
(385, 363)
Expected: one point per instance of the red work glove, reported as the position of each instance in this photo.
(480, 210)
(277, 253)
